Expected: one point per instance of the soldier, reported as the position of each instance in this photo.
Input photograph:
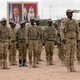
(49, 36)
(39, 39)
(78, 45)
(60, 45)
(4, 43)
(68, 32)
(33, 33)
(12, 47)
(22, 41)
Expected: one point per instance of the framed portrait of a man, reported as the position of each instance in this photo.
(15, 12)
(30, 10)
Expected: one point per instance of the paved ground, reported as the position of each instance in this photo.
(44, 72)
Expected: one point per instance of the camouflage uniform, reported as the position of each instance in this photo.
(78, 44)
(4, 43)
(40, 38)
(22, 41)
(12, 49)
(68, 31)
(49, 36)
(60, 45)
(33, 34)
(78, 51)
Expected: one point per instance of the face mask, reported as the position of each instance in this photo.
(37, 23)
(13, 26)
(4, 23)
(23, 25)
(50, 23)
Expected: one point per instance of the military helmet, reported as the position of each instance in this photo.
(78, 21)
(32, 18)
(49, 20)
(37, 18)
(69, 10)
(3, 19)
(22, 22)
(12, 21)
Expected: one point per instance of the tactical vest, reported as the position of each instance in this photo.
(33, 33)
(13, 34)
(21, 34)
(4, 33)
(70, 29)
(50, 33)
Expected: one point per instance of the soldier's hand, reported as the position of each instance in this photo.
(9, 46)
(43, 44)
(59, 44)
(27, 45)
(17, 46)
(78, 41)
(64, 41)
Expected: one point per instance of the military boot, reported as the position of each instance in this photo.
(5, 66)
(35, 63)
(47, 59)
(63, 64)
(72, 68)
(20, 63)
(1, 64)
(68, 68)
(14, 62)
(24, 63)
(51, 63)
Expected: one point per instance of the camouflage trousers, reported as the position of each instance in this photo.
(3, 54)
(12, 53)
(78, 51)
(33, 52)
(70, 53)
(39, 50)
(22, 50)
(61, 53)
(49, 46)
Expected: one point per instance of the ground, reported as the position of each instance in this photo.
(44, 72)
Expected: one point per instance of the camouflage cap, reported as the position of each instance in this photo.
(68, 10)
(3, 19)
(49, 20)
(37, 19)
(23, 21)
(32, 18)
(78, 21)
(12, 21)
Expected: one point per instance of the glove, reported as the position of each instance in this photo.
(59, 44)
(17, 46)
(64, 41)
(27, 45)
(9, 46)
(78, 41)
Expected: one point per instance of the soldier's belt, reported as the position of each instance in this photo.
(13, 40)
(22, 40)
(33, 38)
(49, 40)
(72, 38)
(4, 41)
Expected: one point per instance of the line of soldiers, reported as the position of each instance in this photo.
(27, 40)
(30, 39)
